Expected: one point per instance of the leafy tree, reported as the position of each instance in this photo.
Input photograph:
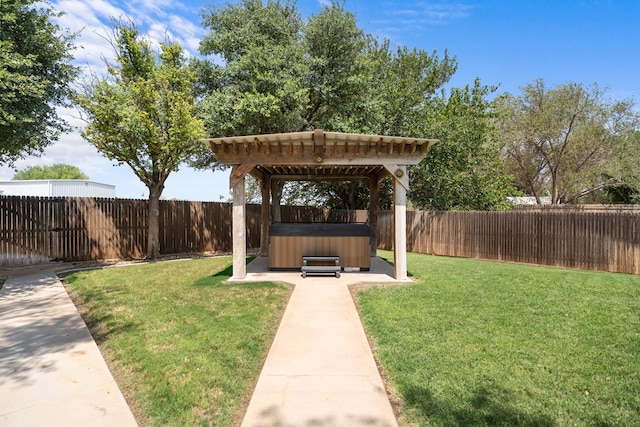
(259, 90)
(346, 64)
(626, 167)
(144, 115)
(463, 171)
(359, 84)
(57, 171)
(253, 193)
(620, 194)
(259, 87)
(35, 72)
(325, 73)
(405, 82)
(565, 141)
(328, 194)
(624, 185)
(338, 72)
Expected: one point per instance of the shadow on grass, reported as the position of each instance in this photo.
(389, 260)
(488, 406)
(221, 275)
(101, 325)
(220, 279)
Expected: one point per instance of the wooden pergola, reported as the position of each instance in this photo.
(320, 156)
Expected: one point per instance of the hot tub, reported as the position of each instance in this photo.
(290, 242)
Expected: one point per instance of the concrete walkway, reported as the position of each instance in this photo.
(320, 370)
(51, 371)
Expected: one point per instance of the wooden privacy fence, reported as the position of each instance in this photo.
(39, 229)
(34, 230)
(586, 239)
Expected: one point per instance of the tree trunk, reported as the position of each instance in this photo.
(554, 189)
(276, 198)
(153, 231)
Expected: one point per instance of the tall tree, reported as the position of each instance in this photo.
(565, 141)
(258, 88)
(338, 78)
(463, 171)
(57, 171)
(35, 72)
(405, 82)
(360, 84)
(144, 115)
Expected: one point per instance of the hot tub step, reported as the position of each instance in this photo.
(321, 269)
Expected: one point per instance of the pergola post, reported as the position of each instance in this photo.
(264, 216)
(400, 184)
(374, 202)
(239, 226)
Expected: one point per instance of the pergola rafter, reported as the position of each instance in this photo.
(318, 156)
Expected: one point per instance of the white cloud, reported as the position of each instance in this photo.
(158, 20)
(402, 17)
(188, 33)
(431, 12)
(92, 20)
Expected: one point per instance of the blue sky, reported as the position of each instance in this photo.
(506, 43)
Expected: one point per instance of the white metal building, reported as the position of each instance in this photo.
(527, 201)
(57, 188)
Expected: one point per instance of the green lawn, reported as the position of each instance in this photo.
(486, 343)
(471, 343)
(185, 349)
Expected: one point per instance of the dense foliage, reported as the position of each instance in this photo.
(464, 170)
(35, 73)
(57, 171)
(569, 141)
